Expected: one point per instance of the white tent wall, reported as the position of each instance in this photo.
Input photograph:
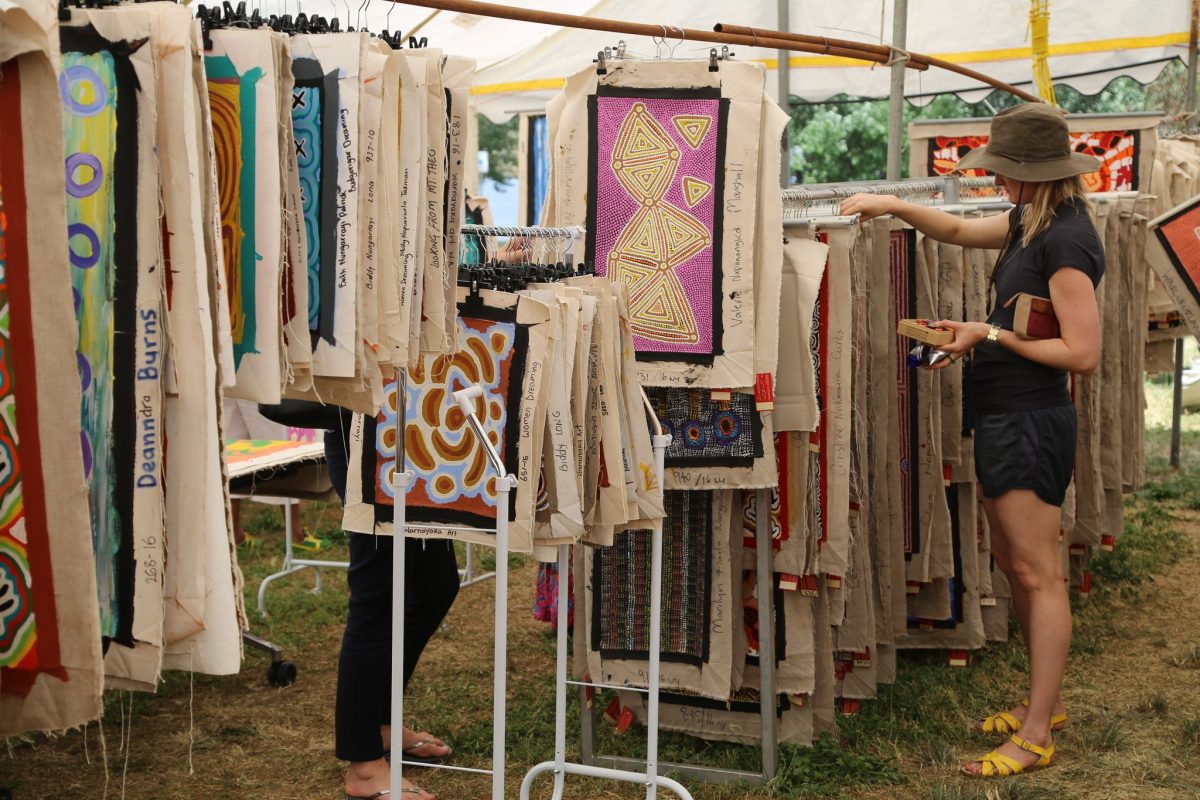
(522, 65)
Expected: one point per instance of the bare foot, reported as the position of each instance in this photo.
(1023, 757)
(367, 778)
(424, 745)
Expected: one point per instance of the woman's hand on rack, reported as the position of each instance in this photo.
(868, 206)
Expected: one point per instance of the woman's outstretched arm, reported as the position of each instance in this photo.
(985, 232)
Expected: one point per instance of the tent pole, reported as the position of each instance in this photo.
(783, 19)
(1189, 105)
(895, 145)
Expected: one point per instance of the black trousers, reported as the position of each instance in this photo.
(364, 688)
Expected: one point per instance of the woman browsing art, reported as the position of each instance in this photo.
(1024, 420)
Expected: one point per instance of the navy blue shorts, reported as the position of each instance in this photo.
(1026, 450)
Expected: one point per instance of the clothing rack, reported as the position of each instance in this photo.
(531, 232)
(949, 186)
(504, 484)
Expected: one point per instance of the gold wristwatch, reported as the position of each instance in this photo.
(993, 332)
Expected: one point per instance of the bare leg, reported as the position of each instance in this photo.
(297, 526)
(1020, 597)
(235, 511)
(1031, 532)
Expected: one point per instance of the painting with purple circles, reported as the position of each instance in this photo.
(100, 142)
(706, 432)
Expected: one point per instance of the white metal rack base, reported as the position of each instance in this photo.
(292, 565)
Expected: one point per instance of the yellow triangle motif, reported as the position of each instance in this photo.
(693, 128)
(644, 158)
(695, 190)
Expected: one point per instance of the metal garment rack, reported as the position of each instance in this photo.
(648, 772)
(292, 565)
(505, 483)
(797, 199)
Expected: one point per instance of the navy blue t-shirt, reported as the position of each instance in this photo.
(1000, 379)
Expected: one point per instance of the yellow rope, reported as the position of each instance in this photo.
(1039, 27)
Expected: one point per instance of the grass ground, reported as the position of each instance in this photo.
(1133, 691)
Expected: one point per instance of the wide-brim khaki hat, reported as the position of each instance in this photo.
(1030, 142)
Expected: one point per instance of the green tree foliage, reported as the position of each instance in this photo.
(845, 139)
(500, 143)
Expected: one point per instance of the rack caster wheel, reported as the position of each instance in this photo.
(281, 673)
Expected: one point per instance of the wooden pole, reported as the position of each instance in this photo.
(769, 41)
(915, 60)
(881, 49)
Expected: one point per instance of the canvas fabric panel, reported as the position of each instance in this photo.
(432, 319)
(621, 577)
(834, 374)
(561, 519)
(951, 278)
(713, 678)
(339, 59)
(1111, 372)
(244, 103)
(935, 514)
(457, 74)
(640, 469)
(136, 320)
(768, 252)
(504, 347)
(963, 628)
(804, 261)
(193, 400)
(31, 156)
(737, 86)
(1173, 252)
(409, 216)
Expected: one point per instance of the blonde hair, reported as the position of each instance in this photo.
(1038, 213)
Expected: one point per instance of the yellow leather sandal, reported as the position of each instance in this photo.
(997, 765)
(1005, 723)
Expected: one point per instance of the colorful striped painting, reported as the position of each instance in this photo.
(231, 99)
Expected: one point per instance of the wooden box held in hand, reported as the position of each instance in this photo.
(923, 331)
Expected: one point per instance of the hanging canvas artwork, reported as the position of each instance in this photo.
(100, 121)
(1117, 151)
(621, 579)
(1174, 253)
(659, 161)
(50, 646)
(705, 432)
(314, 127)
(28, 638)
(503, 345)
(231, 98)
(653, 223)
(453, 480)
(904, 302)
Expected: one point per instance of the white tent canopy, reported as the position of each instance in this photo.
(522, 64)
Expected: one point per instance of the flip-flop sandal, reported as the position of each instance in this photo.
(387, 793)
